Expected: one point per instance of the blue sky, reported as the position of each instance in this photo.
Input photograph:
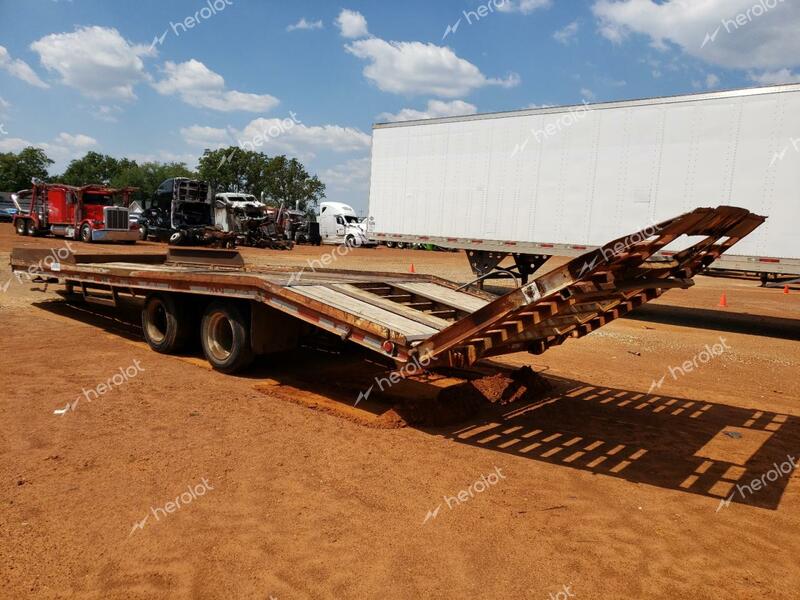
(313, 76)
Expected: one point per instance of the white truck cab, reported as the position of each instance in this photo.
(339, 224)
(231, 208)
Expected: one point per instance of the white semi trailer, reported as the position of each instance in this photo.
(558, 181)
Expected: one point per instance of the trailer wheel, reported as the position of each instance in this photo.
(30, 227)
(166, 323)
(21, 227)
(225, 335)
(86, 233)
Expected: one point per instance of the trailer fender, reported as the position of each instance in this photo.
(272, 330)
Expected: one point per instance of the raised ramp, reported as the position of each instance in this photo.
(593, 289)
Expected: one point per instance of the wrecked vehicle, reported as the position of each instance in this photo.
(181, 213)
(250, 220)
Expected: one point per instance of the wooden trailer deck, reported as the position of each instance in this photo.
(403, 315)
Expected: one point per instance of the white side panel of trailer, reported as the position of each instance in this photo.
(588, 175)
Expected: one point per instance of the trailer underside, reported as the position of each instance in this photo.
(408, 317)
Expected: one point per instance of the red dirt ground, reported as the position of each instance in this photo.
(599, 485)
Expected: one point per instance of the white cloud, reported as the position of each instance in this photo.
(107, 113)
(206, 137)
(587, 94)
(351, 24)
(709, 30)
(712, 81)
(19, 69)
(776, 77)
(522, 6)
(303, 24)
(199, 86)
(419, 68)
(14, 144)
(435, 108)
(77, 141)
(567, 34)
(352, 175)
(277, 136)
(63, 148)
(97, 61)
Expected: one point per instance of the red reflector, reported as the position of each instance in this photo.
(579, 247)
(546, 245)
(388, 347)
(769, 260)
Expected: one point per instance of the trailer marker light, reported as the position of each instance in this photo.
(389, 347)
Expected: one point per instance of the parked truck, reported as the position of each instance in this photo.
(181, 213)
(557, 181)
(243, 310)
(339, 224)
(250, 220)
(90, 213)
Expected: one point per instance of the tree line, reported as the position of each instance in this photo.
(277, 179)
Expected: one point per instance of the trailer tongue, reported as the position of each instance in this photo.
(248, 310)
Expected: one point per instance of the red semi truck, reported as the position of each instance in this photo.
(89, 213)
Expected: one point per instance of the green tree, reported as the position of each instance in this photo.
(16, 170)
(93, 168)
(148, 176)
(280, 179)
(288, 182)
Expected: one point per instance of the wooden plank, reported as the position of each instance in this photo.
(459, 300)
(364, 310)
(415, 315)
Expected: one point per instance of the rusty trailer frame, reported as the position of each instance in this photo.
(407, 316)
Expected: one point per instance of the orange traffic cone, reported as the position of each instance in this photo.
(786, 289)
(411, 268)
(723, 301)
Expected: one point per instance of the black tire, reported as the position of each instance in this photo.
(86, 233)
(166, 323)
(21, 227)
(142, 232)
(30, 227)
(176, 238)
(350, 241)
(390, 244)
(225, 337)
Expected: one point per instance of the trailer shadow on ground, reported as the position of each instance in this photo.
(717, 320)
(714, 450)
(711, 449)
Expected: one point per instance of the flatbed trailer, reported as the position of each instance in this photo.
(244, 310)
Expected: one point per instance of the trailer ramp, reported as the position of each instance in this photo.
(593, 289)
(406, 316)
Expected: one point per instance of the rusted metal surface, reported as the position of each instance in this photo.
(422, 315)
(591, 290)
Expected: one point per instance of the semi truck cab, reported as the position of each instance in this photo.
(90, 213)
(339, 224)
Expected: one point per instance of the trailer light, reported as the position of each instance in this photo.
(389, 347)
